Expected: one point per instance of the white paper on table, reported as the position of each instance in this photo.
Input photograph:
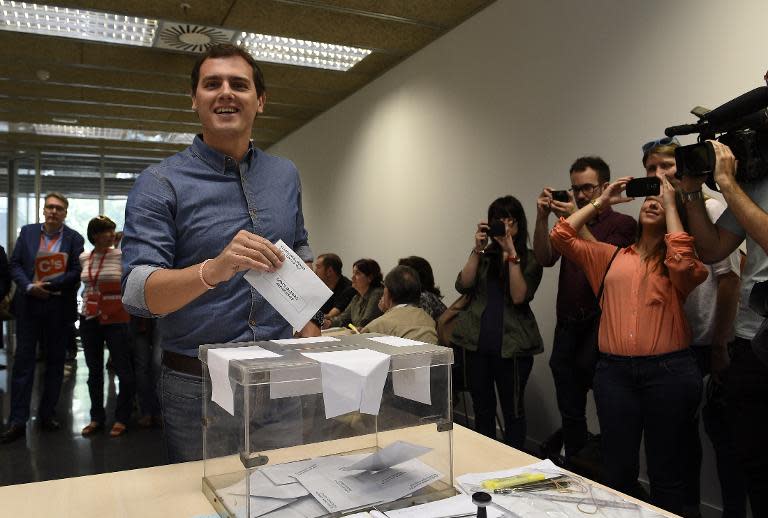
(222, 389)
(459, 505)
(395, 341)
(293, 290)
(306, 507)
(411, 377)
(306, 340)
(392, 455)
(338, 490)
(352, 380)
(296, 381)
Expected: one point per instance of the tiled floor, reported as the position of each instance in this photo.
(65, 453)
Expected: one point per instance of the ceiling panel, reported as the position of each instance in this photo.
(44, 78)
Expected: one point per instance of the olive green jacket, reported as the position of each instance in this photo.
(521, 333)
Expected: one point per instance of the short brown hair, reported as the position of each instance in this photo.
(98, 225)
(63, 199)
(225, 50)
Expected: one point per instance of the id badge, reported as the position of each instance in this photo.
(92, 303)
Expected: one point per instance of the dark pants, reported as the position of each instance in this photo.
(509, 375)
(146, 363)
(746, 387)
(94, 336)
(656, 397)
(572, 382)
(49, 330)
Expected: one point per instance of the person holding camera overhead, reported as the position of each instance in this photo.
(498, 330)
(647, 382)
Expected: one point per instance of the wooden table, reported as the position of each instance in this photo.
(175, 490)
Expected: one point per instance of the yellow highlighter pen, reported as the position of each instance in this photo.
(353, 328)
(516, 480)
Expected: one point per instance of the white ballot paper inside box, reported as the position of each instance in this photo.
(293, 290)
(392, 455)
(352, 380)
(222, 391)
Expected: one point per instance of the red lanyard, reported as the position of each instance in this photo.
(50, 244)
(91, 279)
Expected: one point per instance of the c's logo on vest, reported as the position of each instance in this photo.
(49, 265)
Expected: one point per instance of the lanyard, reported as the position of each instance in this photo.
(91, 279)
(50, 244)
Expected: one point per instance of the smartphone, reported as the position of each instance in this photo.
(561, 196)
(642, 187)
(496, 228)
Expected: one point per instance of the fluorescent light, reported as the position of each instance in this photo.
(147, 32)
(291, 51)
(93, 132)
(76, 23)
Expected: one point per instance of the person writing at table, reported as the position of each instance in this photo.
(647, 382)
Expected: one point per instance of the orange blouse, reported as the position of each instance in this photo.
(642, 309)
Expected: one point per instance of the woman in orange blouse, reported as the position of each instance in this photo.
(647, 381)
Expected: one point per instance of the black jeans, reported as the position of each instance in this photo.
(146, 363)
(656, 397)
(509, 375)
(94, 336)
(571, 385)
(746, 386)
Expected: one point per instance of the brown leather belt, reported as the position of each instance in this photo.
(182, 363)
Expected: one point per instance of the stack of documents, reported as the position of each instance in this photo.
(316, 487)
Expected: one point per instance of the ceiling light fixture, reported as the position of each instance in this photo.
(146, 32)
(93, 132)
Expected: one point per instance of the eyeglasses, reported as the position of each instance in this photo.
(587, 189)
(664, 141)
(54, 208)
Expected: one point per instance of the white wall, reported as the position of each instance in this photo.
(502, 105)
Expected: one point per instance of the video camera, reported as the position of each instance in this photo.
(741, 124)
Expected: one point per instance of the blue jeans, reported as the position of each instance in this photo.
(146, 363)
(571, 385)
(50, 331)
(656, 397)
(487, 373)
(181, 399)
(94, 336)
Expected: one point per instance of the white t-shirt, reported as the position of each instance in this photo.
(701, 303)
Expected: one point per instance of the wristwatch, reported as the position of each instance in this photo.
(514, 259)
(318, 319)
(692, 196)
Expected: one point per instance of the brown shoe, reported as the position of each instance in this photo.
(117, 430)
(91, 428)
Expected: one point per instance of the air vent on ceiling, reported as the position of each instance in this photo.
(190, 38)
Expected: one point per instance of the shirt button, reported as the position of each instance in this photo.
(678, 257)
(252, 322)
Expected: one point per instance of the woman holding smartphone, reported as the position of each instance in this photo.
(498, 332)
(647, 383)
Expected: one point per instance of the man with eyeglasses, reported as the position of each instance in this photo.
(46, 268)
(574, 349)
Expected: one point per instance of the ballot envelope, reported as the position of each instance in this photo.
(325, 426)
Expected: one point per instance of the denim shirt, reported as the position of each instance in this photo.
(187, 209)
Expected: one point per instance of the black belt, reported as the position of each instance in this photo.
(182, 363)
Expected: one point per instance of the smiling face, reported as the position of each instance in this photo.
(227, 102)
(652, 212)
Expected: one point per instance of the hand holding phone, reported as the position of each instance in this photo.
(561, 196)
(643, 187)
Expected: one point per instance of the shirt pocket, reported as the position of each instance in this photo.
(658, 290)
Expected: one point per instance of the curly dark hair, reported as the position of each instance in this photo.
(372, 269)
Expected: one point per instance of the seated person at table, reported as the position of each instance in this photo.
(364, 307)
(328, 268)
(400, 303)
(431, 298)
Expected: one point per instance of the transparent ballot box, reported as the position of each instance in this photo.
(326, 427)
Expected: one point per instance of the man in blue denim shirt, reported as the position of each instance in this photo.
(195, 223)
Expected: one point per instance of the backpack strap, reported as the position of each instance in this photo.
(602, 282)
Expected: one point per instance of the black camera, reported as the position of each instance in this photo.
(642, 187)
(561, 196)
(496, 228)
(742, 125)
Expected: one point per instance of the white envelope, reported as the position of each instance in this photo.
(293, 290)
(392, 455)
(352, 380)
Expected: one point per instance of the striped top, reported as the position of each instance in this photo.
(110, 269)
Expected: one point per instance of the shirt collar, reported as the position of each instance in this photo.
(217, 160)
(46, 234)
